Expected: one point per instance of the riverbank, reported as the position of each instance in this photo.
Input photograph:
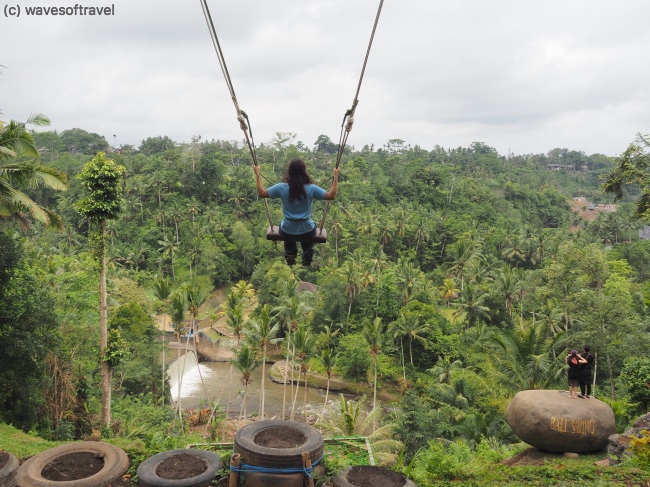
(281, 370)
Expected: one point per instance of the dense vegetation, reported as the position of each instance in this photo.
(452, 278)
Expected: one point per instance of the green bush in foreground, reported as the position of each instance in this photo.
(446, 463)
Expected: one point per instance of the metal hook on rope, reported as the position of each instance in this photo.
(348, 125)
(242, 122)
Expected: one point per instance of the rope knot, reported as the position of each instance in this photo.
(242, 122)
(348, 125)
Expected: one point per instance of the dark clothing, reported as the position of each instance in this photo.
(291, 245)
(585, 373)
(574, 371)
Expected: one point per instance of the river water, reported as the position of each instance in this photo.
(222, 382)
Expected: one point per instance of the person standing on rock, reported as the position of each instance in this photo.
(585, 372)
(574, 360)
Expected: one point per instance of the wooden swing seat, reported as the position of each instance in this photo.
(273, 233)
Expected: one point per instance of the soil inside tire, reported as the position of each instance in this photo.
(284, 437)
(373, 477)
(73, 466)
(183, 466)
(4, 458)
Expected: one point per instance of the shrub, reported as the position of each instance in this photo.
(640, 448)
(441, 462)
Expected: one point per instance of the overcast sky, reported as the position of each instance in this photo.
(520, 76)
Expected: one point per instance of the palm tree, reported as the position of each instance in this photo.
(235, 320)
(373, 332)
(246, 362)
(168, 249)
(161, 216)
(463, 252)
(409, 326)
(244, 289)
(515, 252)
(386, 231)
(195, 298)
(336, 228)
(470, 302)
(326, 337)
(162, 290)
(328, 361)
(448, 290)
(292, 308)
(350, 274)
(15, 140)
(137, 255)
(303, 345)
(421, 228)
(551, 316)
(445, 368)
(523, 360)
(409, 278)
(193, 209)
(508, 286)
(347, 418)
(261, 334)
(176, 215)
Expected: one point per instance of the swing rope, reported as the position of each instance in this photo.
(348, 118)
(242, 117)
(244, 122)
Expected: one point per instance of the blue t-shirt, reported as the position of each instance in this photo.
(297, 214)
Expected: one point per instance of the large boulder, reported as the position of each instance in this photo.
(618, 447)
(552, 422)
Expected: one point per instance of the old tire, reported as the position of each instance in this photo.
(116, 463)
(7, 471)
(341, 478)
(147, 476)
(262, 456)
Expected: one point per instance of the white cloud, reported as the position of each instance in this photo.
(528, 76)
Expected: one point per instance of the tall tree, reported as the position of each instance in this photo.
(101, 179)
(262, 332)
(246, 362)
(328, 361)
(303, 345)
(633, 167)
(373, 332)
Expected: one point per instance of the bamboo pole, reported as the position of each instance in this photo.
(235, 459)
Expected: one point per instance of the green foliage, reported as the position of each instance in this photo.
(640, 448)
(635, 379)
(101, 179)
(354, 360)
(78, 140)
(117, 348)
(632, 168)
(406, 219)
(441, 462)
(132, 322)
(28, 333)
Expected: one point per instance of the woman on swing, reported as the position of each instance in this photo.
(297, 193)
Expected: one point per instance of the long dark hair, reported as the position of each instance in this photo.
(297, 178)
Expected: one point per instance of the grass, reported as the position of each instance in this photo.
(22, 445)
(534, 469)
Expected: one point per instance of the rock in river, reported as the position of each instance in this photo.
(552, 422)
